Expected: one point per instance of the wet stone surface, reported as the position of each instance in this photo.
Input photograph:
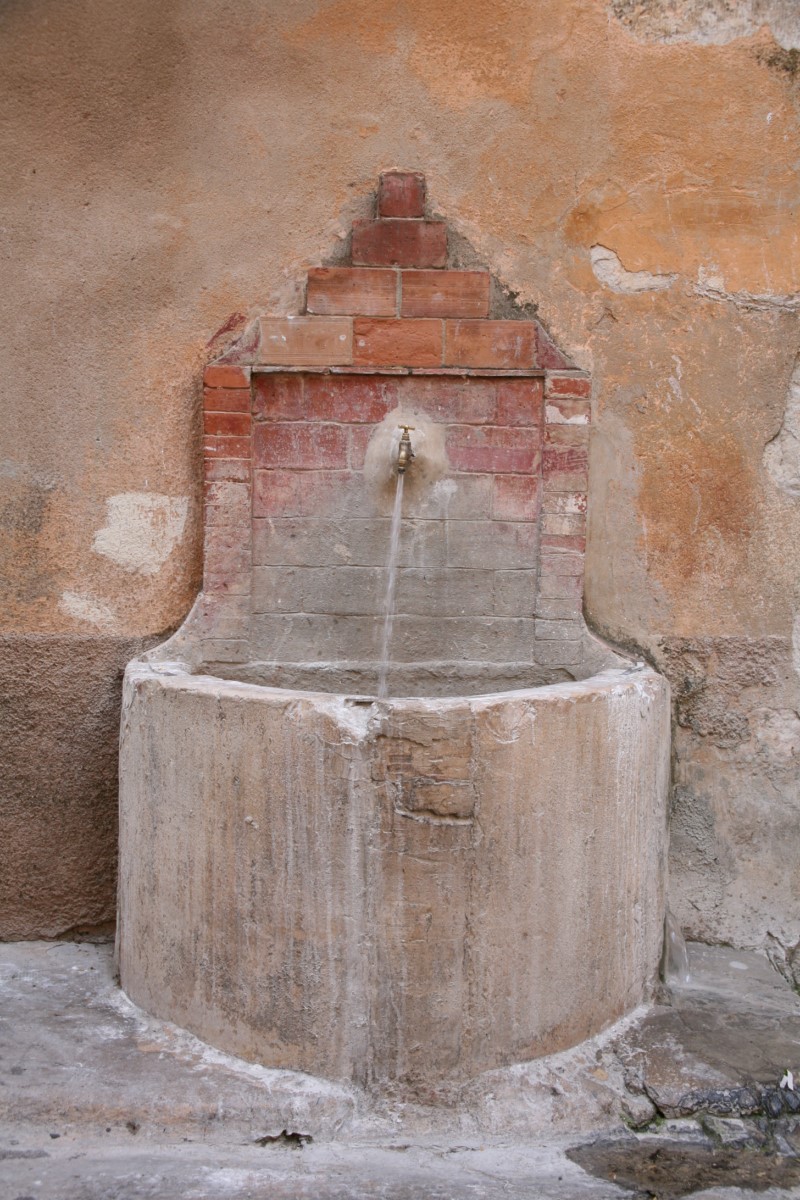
(98, 1101)
(651, 1167)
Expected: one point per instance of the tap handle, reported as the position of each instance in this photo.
(406, 429)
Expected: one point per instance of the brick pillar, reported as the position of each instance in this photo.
(227, 550)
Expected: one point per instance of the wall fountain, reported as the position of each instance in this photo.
(401, 873)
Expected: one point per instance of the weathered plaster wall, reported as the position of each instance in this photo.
(631, 168)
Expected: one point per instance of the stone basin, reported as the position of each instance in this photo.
(393, 891)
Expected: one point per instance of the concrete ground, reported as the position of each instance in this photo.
(98, 1101)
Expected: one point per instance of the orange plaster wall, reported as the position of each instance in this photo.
(169, 167)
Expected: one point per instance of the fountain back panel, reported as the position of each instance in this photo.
(469, 872)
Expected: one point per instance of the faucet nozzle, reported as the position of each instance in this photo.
(405, 453)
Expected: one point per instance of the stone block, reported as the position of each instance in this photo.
(445, 593)
(316, 541)
(513, 593)
(557, 631)
(314, 637)
(341, 591)
(456, 497)
(557, 653)
(278, 589)
(492, 545)
(515, 497)
(306, 341)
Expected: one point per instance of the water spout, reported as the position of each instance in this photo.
(404, 453)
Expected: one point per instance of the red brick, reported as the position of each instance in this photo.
(353, 398)
(226, 400)
(565, 450)
(401, 194)
(492, 448)
(570, 460)
(303, 446)
(360, 291)
(306, 341)
(519, 402)
(515, 498)
(226, 377)
(226, 447)
(563, 502)
(509, 344)
(568, 385)
(278, 397)
(397, 343)
(229, 424)
(444, 294)
(548, 354)
(566, 410)
(233, 470)
(555, 541)
(389, 242)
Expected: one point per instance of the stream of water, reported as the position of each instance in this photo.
(676, 956)
(391, 588)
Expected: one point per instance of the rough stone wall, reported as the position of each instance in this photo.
(170, 170)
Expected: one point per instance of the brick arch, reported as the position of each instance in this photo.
(293, 404)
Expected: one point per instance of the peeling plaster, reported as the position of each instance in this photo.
(610, 272)
(88, 610)
(141, 530)
(714, 22)
(782, 454)
(712, 287)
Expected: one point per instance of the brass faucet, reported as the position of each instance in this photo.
(405, 453)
